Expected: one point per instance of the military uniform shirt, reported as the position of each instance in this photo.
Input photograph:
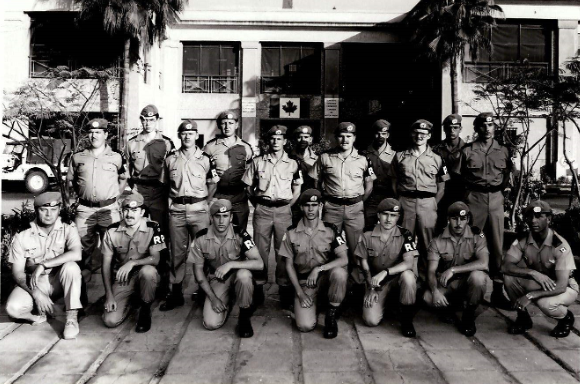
(385, 254)
(311, 248)
(36, 246)
(305, 162)
(481, 168)
(146, 239)
(553, 255)
(450, 155)
(146, 158)
(381, 163)
(273, 178)
(343, 178)
(189, 176)
(456, 252)
(230, 161)
(97, 178)
(207, 247)
(418, 173)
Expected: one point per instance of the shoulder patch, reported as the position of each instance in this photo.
(166, 138)
(114, 225)
(211, 141)
(293, 226)
(133, 137)
(201, 233)
(475, 230)
(406, 233)
(331, 226)
(152, 224)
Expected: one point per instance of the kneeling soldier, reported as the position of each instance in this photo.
(388, 259)
(135, 244)
(307, 249)
(458, 261)
(539, 268)
(229, 254)
(46, 254)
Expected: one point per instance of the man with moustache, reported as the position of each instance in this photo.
(538, 268)
(458, 260)
(306, 157)
(191, 177)
(130, 253)
(44, 266)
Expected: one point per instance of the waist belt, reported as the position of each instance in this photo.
(344, 201)
(417, 194)
(188, 199)
(271, 203)
(92, 204)
(150, 182)
(485, 188)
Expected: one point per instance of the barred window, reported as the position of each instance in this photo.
(210, 67)
(291, 68)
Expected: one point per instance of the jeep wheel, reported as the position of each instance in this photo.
(36, 182)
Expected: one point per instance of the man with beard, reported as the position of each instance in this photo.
(131, 251)
(457, 268)
(228, 254)
(305, 156)
(192, 178)
(44, 266)
(538, 268)
(231, 156)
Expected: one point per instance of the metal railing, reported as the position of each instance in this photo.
(483, 72)
(209, 84)
(41, 68)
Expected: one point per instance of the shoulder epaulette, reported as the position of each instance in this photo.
(132, 137)
(114, 225)
(152, 224)
(206, 155)
(245, 142)
(556, 242)
(405, 232)
(166, 138)
(212, 140)
(331, 226)
(293, 226)
(200, 233)
(475, 230)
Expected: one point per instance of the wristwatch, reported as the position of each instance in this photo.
(530, 296)
(320, 269)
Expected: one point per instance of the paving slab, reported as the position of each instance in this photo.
(206, 341)
(196, 378)
(342, 377)
(408, 377)
(493, 340)
(445, 340)
(146, 342)
(545, 377)
(267, 341)
(198, 362)
(386, 341)
(50, 378)
(263, 361)
(71, 362)
(264, 377)
(481, 377)
(314, 340)
(459, 360)
(335, 361)
(525, 360)
(133, 378)
(121, 363)
(11, 362)
(410, 358)
(85, 342)
(569, 356)
(94, 323)
(21, 341)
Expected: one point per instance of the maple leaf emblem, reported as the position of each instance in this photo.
(289, 107)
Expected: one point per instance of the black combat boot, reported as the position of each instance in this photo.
(522, 324)
(245, 329)
(564, 326)
(330, 325)
(259, 296)
(407, 314)
(173, 299)
(144, 321)
(498, 299)
(467, 325)
(286, 297)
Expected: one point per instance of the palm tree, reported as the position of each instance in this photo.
(140, 23)
(445, 27)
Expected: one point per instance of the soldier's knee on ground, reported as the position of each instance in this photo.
(14, 309)
(428, 297)
(112, 319)
(71, 268)
(305, 326)
(371, 319)
(477, 279)
(338, 275)
(244, 276)
(148, 272)
(213, 324)
(408, 287)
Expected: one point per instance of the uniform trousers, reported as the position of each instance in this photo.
(475, 282)
(420, 217)
(155, 200)
(349, 218)
(64, 280)
(243, 285)
(147, 278)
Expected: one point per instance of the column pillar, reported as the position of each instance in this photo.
(170, 75)
(250, 91)
(332, 85)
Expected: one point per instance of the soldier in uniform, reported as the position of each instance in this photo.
(228, 254)
(538, 268)
(306, 157)
(98, 175)
(273, 181)
(44, 266)
(192, 178)
(307, 248)
(231, 156)
(381, 154)
(419, 177)
(449, 152)
(346, 180)
(131, 251)
(458, 260)
(387, 256)
(485, 166)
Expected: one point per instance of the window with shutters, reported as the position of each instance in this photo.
(210, 67)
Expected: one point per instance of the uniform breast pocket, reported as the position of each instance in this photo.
(209, 255)
(447, 256)
(173, 173)
(285, 180)
(500, 163)
(474, 163)
(32, 252)
(355, 174)
(122, 249)
(109, 167)
(240, 159)
(371, 252)
(57, 250)
(263, 181)
(331, 170)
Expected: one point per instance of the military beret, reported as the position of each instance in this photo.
(277, 130)
(310, 195)
(48, 199)
(227, 115)
(538, 206)
(345, 127)
(134, 200)
(220, 205)
(485, 117)
(458, 209)
(389, 205)
(187, 125)
(150, 111)
(381, 125)
(97, 124)
(303, 129)
(422, 124)
(453, 119)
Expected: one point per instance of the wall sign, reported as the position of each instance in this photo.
(331, 107)
(249, 107)
(290, 107)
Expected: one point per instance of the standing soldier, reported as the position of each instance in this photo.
(387, 257)
(305, 156)
(131, 251)
(98, 175)
(449, 152)
(192, 179)
(229, 254)
(44, 266)
(457, 268)
(538, 268)
(307, 249)
(381, 155)
(419, 177)
(347, 180)
(273, 181)
(231, 156)
(485, 166)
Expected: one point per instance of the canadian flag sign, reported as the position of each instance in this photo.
(290, 107)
